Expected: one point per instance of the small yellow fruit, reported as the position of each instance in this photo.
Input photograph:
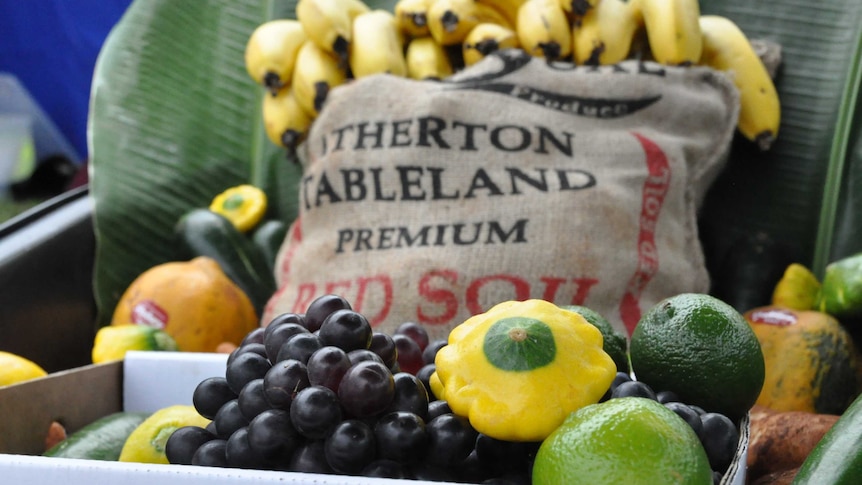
(112, 342)
(15, 369)
(192, 301)
(146, 444)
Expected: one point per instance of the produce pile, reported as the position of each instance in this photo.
(524, 392)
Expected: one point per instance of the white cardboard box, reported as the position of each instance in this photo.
(145, 381)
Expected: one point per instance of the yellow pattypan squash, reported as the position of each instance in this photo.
(519, 369)
(244, 206)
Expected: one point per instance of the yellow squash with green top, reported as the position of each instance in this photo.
(517, 370)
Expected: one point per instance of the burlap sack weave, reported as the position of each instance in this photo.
(514, 179)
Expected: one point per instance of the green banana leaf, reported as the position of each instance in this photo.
(797, 202)
(174, 120)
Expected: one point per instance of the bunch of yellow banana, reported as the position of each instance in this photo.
(333, 41)
(726, 48)
(299, 61)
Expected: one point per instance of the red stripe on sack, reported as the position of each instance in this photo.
(655, 189)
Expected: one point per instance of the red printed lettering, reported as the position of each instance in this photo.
(521, 287)
(654, 191)
(583, 285)
(305, 293)
(438, 295)
(385, 283)
(552, 284)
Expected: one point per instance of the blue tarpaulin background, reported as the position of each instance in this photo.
(51, 47)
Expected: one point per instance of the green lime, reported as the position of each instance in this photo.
(629, 441)
(702, 349)
(615, 343)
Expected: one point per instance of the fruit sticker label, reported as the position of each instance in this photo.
(774, 316)
(514, 179)
(147, 312)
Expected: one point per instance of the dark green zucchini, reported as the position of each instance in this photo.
(202, 232)
(102, 439)
(837, 458)
(268, 237)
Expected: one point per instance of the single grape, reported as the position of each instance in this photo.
(272, 435)
(699, 410)
(410, 395)
(401, 437)
(310, 457)
(253, 337)
(688, 414)
(252, 399)
(383, 345)
(210, 395)
(238, 453)
(315, 412)
(633, 389)
(299, 347)
(229, 419)
(503, 456)
(211, 453)
(360, 355)
(720, 438)
(619, 378)
(381, 468)
(366, 389)
(283, 381)
(665, 397)
(424, 376)
(451, 439)
(350, 447)
(183, 443)
(327, 366)
(429, 353)
(347, 330)
(473, 470)
(409, 354)
(257, 348)
(415, 332)
(275, 339)
(438, 407)
(283, 318)
(322, 307)
(245, 368)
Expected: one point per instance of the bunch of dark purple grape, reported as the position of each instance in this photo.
(717, 433)
(321, 392)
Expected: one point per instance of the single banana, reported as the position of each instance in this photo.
(377, 46)
(543, 29)
(270, 52)
(485, 39)
(284, 120)
(316, 73)
(451, 20)
(605, 33)
(578, 8)
(412, 17)
(673, 30)
(329, 22)
(726, 48)
(509, 8)
(426, 59)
